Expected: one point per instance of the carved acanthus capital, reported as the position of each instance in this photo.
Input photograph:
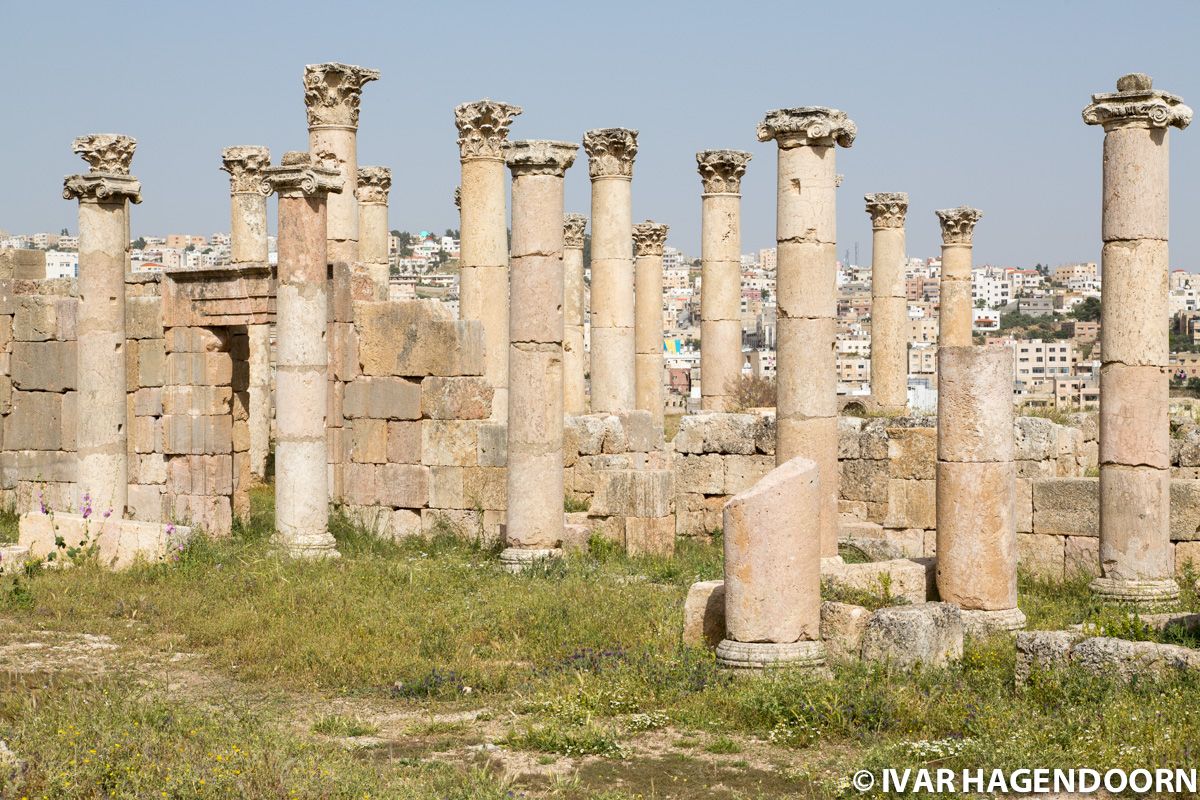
(813, 126)
(1137, 104)
(887, 209)
(332, 93)
(483, 128)
(245, 165)
(721, 171)
(573, 227)
(649, 238)
(300, 174)
(539, 157)
(610, 152)
(958, 224)
(374, 183)
(108, 153)
(102, 187)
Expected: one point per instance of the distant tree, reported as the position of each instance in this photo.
(189, 248)
(587, 250)
(766, 295)
(1088, 310)
(1194, 384)
(139, 243)
(750, 391)
(980, 304)
(64, 232)
(453, 233)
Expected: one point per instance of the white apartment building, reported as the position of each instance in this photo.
(1035, 359)
(62, 265)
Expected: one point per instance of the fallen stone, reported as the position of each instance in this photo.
(842, 629)
(704, 614)
(930, 634)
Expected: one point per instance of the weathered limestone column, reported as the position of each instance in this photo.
(104, 194)
(889, 302)
(332, 93)
(976, 486)
(1136, 563)
(956, 309)
(574, 364)
(374, 183)
(535, 520)
(648, 240)
(773, 571)
(301, 483)
(610, 164)
(483, 256)
(248, 245)
(806, 294)
(721, 172)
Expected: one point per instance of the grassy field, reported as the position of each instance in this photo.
(423, 670)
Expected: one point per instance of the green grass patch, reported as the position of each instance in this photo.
(339, 725)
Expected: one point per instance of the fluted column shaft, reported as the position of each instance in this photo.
(648, 241)
(574, 357)
(889, 303)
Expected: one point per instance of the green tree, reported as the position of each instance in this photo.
(139, 243)
(1088, 310)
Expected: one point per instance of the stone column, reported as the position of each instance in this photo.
(648, 240)
(1136, 559)
(332, 93)
(610, 164)
(976, 486)
(483, 256)
(248, 245)
(374, 183)
(534, 528)
(956, 308)
(301, 483)
(104, 194)
(806, 295)
(889, 302)
(574, 365)
(721, 173)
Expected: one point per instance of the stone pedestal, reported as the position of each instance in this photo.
(648, 240)
(374, 183)
(611, 152)
(889, 302)
(301, 483)
(1136, 563)
(806, 295)
(574, 302)
(104, 194)
(956, 306)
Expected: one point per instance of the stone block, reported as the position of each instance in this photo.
(36, 319)
(849, 431)
(43, 366)
(865, 480)
(146, 502)
(148, 468)
(207, 368)
(1042, 650)
(22, 265)
(382, 398)
(456, 398)
(930, 634)
(1034, 439)
(343, 352)
(912, 453)
(1187, 556)
(704, 614)
(642, 433)
(212, 514)
(1066, 506)
(653, 536)
(903, 578)
(403, 485)
(718, 433)
(146, 435)
(587, 432)
(1081, 556)
(404, 442)
(144, 318)
(148, 402)
(742, 472)
(486, 487)
(449, 442)
(151, 362)
(200, 475)
(370, 441)
(699, 474)
(1042, 555)
(633, 493)
(416, 338)
(493, 444)
(119, 543)
(35, 422)
(197, 400)
(911, 504)
(842, 628)
(1024, 505)
(697, 514)
(1185, 510)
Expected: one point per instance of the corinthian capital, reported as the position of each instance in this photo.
(649, 238)
(610, 152)
(245, 165)
(1137, 104)
(332, 93)
(374, 183)
(958, 224)
(109, 153)
(540, 157)
(300, 174)
(483, 128)
(108, 181)
(573, 225)
(887, 209)
(813, 126)
(721, 171)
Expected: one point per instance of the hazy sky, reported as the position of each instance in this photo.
(964, 102)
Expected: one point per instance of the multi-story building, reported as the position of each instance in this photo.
(1064, 274)
(61, 264)
(766, 259)
(1034, 359)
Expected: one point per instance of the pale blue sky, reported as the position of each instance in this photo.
(974, 103)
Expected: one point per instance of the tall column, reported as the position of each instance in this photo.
(806, 294)
(721, 173)
(374, 183)
(248, 245)
(956, 309)
(976, 486)
(574, 367)
(483, 256)
(332, 93)
(648, 240)
(301, 483)
(534, 528)
(610, 164)
(889, 303)
(104, 194)
(1136, 560)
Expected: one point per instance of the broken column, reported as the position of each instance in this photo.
(648, 240)
(956, 307)
(301, 483)
(1136, 562)
(721, 173)
(889, 302)
(976, 486)
(773, 571)
(613, 361)
(534, 528)
(806, 294)
(483, 271)
(374, 183)
(574, 290)
(104, 194)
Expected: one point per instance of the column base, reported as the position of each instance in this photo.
(315, 547)
(1148, 593)
(754, 656)
(981, 623)
(519, 559)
